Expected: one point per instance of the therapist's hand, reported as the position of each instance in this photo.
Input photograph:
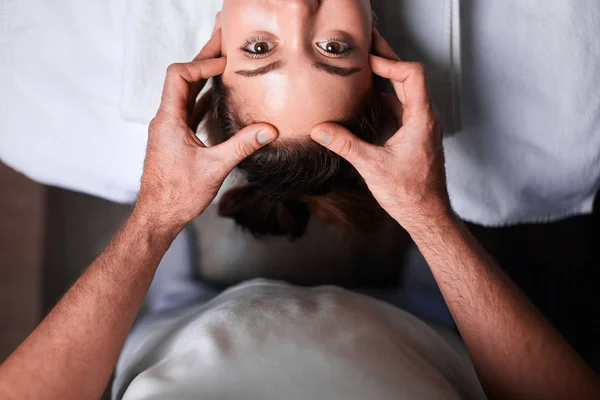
(181, 176)
(407, 174)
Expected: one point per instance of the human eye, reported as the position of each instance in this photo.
(257, 47)
(335, 48)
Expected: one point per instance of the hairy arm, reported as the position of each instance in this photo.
(71, 355)
(516, 352)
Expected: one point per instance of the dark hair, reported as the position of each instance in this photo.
(290, 180)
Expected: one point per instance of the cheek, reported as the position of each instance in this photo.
(276, 94)
(261, 98)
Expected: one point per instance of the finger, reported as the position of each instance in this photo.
(211, 50)
(245, 143)
(409, 81)
(178, 84)
(382, 48)
(345, 144)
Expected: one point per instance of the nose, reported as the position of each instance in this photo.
(295, 20)
(310, 6)
(305, 8)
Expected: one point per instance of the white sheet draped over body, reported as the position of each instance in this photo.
(81, 80)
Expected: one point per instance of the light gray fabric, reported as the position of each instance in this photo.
(228, 254)
(176, 284)
(267, 340)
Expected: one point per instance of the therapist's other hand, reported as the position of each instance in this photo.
(406, 175)
(181, 176)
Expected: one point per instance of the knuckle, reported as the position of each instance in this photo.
(156, 124)
(395, 64)
(175, 69)
(431, 123)
(198, 67)
(346, 148)
(241, 150)
(418, 68)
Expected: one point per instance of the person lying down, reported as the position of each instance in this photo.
(296, 67)
(269, 340)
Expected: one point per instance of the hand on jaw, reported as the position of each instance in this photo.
(407, 174)
(181, 176)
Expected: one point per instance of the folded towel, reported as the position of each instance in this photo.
(529, 150)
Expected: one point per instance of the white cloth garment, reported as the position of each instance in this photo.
(266, 340)
(80, 81)
(60, 85)
(159, 33)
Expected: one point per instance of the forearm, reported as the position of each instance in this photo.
(72, 354)
(516, 352)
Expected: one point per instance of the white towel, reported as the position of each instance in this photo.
(161, 32)
(60, 87)
(158, 33)
(528, 151)
(428, 31)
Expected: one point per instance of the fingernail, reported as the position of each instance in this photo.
(265, 136)
(323, 137)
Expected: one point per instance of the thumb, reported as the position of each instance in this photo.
(245, 143)
(344, 143)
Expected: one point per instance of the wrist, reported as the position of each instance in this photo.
(427, 220)
(159, 228)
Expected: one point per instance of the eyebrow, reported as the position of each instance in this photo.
(330, 69)
(250, 73)
(333, 70)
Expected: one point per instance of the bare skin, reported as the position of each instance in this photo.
(300, 37)
(516, 352)
(73, 352)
